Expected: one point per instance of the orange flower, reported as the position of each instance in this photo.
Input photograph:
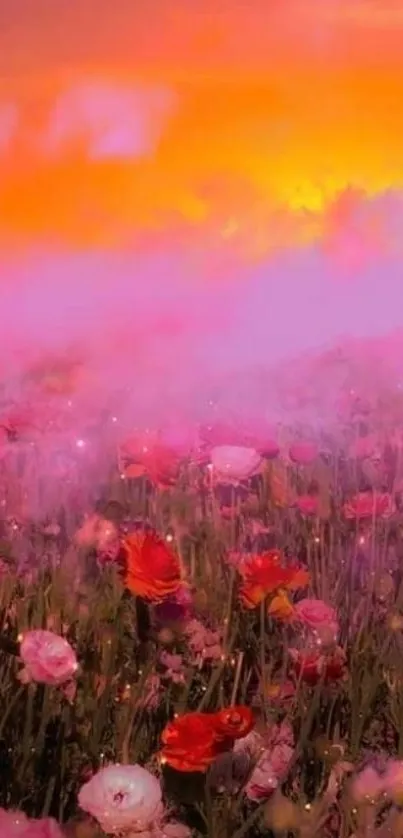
(152, 568)
(300, 579)
(264, 574)
(280, 607)
(193, 741)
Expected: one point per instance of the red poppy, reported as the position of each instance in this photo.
(264, 574)
(192, 742)
(234, 722)
(307, 504)
(152, 568)
(369, 504)
(162, 465)
(313, 666)
(140, 456)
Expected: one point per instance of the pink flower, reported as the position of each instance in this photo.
(393, 781)
(174, 667)
(307, 504)
(319, 617)
(303, 453)
(269, 771)
(123, 798)
(271, 753)
(267, 774)
(368, 785)
(368, 505)
(97, 532)
(203, 642)
(17, 825)
(12, 823)
(232, 462)
(47, 658)
(174, 829)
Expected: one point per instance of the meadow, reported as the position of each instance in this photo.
(213, 647)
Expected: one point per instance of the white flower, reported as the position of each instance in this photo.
(122, 797)
(233, 462)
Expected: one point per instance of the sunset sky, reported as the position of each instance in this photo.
(249, 151)
(243, 121)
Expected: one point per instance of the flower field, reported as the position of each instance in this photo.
(212, 646)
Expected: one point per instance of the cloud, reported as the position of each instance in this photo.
(9, 117)
(113, 121)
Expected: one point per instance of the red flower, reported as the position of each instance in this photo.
(307, 504)
(369, 504)
(139, 456)
(234, 722)
(264, 574)
(313, 666)
(193, 741)
(152, 568)
(162, 465)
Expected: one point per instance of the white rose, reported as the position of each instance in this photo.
(122, 797)
(233, 462)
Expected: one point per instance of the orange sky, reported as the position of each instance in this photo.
(275, 108)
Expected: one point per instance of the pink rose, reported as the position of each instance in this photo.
(123, 798)
(17, 825)
(319, 617)
(271, 752)
(47, 658)
(368, 785)
(303, 453)
(269, 772)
